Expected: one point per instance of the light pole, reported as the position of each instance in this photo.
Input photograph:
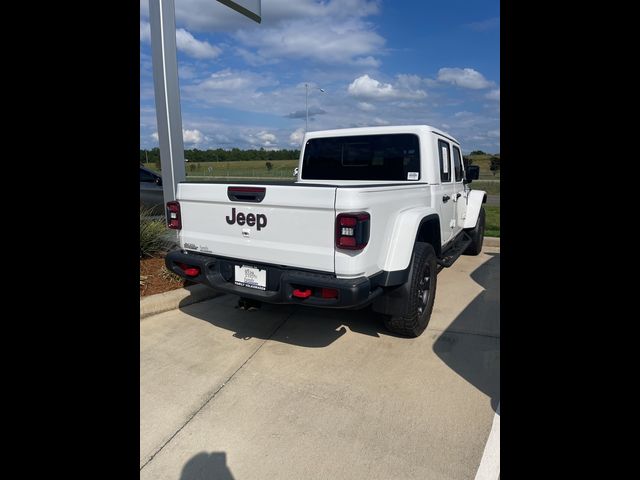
(306, 103)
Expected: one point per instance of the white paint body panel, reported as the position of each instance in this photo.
(300, 231)
(474, 203)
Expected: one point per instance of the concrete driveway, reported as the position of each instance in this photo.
(293, 392)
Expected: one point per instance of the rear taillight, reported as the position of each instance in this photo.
(352, 230)
(173, 215)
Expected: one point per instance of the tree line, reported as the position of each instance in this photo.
(221, 155)
(494, 166)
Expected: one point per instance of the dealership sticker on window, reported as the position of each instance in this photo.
(445, 160)
(412, 176)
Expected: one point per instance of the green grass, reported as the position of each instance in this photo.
(492, 221)
(492, 188)
(282, 169)
(484, 162)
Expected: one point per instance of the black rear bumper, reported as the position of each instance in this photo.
(218, 273)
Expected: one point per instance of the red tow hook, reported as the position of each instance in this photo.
(302, 293)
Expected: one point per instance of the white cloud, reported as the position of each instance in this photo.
(263, 139)
(185, 42)
(189, 45)
(493, 94)
(380, 121)
(325, 40)
(365, 87)
(296, 137)
(209, 15)
(192, 136)
(367, 62)
(188, 136)
(493, 133)
(366, 107)
(266, 137)
(186, 72)
(463, 77)
(228, 87)
(409, 82)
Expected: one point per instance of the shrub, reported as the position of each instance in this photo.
(153, 231)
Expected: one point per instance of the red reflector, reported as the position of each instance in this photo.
(348, 221)
(189, 270)
(347, 242)
(329, 293)
(302, 293)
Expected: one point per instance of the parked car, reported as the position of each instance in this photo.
(375, 214)
(151, 195)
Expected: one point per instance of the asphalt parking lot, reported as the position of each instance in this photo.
(291, 392)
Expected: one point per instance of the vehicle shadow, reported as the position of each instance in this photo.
(207, 466)
(470, 345)
(316, 328)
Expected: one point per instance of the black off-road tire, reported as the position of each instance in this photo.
(419, 294)
(477, 235)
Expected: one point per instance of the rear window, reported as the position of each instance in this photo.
(363, 157)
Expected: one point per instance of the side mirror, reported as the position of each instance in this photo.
(473, 173)
(159, 181)
(295, 172)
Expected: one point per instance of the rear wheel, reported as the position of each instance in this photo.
(477, 235)
(418, 294)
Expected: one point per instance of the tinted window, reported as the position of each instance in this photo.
(457, 163)
(445, 163)
(362, 157)
(146, 176)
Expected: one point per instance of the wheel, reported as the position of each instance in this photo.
(477, 235)
(417, 294)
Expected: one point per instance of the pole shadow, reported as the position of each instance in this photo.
(470, 345)
(207, 466)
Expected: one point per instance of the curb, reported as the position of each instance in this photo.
(491, 241)
(163, 302)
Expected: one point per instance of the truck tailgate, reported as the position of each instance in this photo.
(295, 227)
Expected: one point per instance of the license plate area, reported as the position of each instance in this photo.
(250, 277)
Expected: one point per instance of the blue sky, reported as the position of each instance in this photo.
(242, 84)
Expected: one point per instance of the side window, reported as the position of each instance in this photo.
(457, 163)
(445, 163)
(146, 177)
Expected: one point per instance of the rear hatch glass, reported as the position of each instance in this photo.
(363, 157)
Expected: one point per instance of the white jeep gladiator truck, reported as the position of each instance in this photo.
(373, 216)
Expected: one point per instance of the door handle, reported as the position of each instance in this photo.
(458, 195)
(446, 198)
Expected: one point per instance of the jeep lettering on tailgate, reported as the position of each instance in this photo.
(260, 220)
